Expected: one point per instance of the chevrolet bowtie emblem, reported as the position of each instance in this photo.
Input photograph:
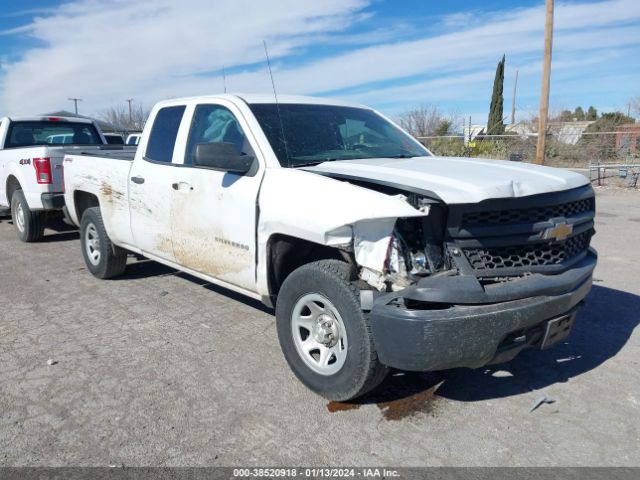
(559, 232)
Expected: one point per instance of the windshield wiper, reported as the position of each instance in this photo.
(402, 155)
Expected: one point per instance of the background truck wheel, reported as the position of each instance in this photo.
(29, 224)
(324, 334)
(104, 260)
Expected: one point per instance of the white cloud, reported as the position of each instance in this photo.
(107, 51)
(102, 51)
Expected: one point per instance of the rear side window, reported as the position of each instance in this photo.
(163, 134)
(27, 134)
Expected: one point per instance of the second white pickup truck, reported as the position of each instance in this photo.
(375, 253)
(31, 180)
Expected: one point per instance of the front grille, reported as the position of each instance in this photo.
(505, 237)
(529, 255)
(528, 215)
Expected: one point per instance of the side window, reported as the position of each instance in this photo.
(215, 123)
(163, 134)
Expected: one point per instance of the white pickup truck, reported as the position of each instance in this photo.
(375, 253)
(31, 179)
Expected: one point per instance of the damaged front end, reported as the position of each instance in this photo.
(395, 253)
(469, 285)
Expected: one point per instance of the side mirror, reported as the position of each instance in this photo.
(222, 156)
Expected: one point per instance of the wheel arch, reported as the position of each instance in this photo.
(12, 184)
(82, 200)
(286, 253)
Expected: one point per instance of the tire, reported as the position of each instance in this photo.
(29, 224)
(103, 259)
(319, 306)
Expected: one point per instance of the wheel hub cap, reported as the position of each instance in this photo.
(20, 217)
(325, 331)
(319, 334)
(92, 244)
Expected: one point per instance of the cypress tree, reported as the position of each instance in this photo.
(495, 125)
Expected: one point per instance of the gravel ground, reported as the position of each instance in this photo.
(157, 368)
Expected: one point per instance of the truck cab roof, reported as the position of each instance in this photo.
(47, 118)
(257, 98)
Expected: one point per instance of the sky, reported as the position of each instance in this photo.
(393, 55)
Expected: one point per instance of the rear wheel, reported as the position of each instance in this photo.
(324, 334)
(29, 224)
(103, 259)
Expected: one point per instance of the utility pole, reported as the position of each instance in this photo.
(513, 100)
(75, 103)
(224, 79)
(546, 77)
(129, 100)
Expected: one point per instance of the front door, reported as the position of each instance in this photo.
(213, 213)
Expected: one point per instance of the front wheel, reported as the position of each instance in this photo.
(324, 334)
(103, 259)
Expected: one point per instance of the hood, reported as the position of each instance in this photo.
(454, 179)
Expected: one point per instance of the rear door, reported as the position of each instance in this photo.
(151, 178)
(214, 212)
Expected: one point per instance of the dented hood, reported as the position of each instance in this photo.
(454, 179)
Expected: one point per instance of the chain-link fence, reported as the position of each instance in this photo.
(571, 150)
(605, 154)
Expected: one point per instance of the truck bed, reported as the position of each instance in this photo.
(103, 173)
(106, 151)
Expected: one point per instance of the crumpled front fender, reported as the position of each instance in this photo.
(329, 212)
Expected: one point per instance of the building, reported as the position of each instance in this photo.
(569, 132)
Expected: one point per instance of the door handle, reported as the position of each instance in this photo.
(181, 186)
(137, 180)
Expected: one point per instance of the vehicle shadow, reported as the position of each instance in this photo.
(603, 327)
(60, 237)
(143, 268)
(62, 231)
(56, 230)
(238, 297)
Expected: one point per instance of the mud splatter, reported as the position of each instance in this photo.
(199, 252)
(109, 193)
(164, 244)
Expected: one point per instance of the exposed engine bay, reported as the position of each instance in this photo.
(411, 248)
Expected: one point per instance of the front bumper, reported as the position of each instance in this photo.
(458, 326)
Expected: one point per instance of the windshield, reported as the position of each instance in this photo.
(320, 133)
(31, 133)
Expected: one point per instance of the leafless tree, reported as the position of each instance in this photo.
(118, 115)
(424, 121)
